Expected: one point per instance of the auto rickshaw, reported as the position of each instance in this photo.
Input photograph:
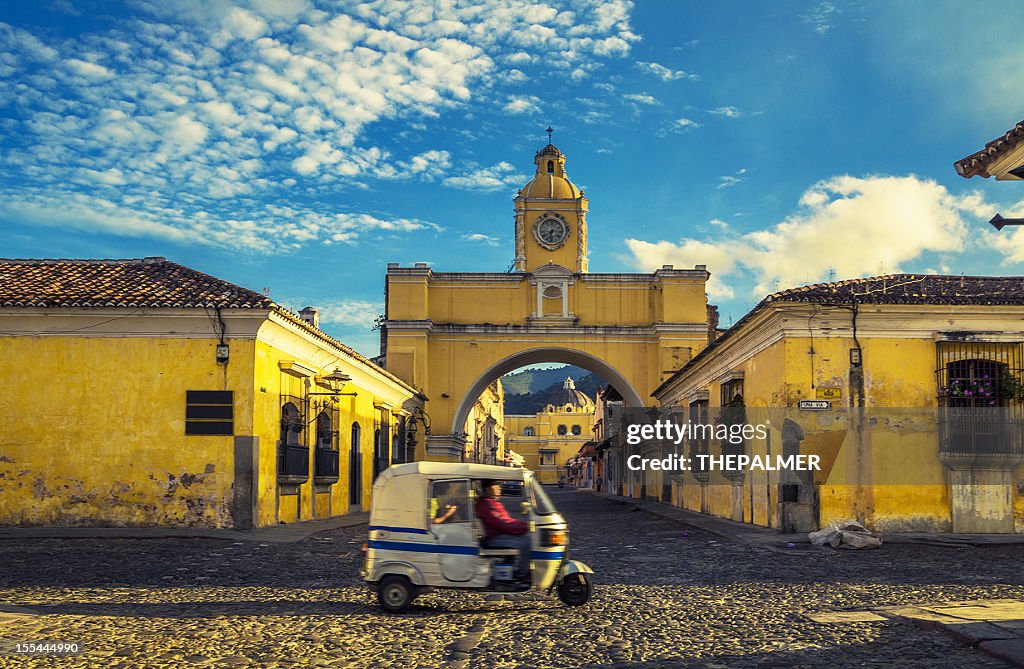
(424, 534)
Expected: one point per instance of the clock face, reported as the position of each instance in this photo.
(551, 232)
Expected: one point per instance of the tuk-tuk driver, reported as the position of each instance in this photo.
(502, 530)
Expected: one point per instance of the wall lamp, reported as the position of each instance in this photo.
(336, 381)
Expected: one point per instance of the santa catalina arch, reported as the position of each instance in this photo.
(450, 334)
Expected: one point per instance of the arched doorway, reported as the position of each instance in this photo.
(452, 444)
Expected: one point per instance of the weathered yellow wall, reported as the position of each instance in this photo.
(109, 448)
(893, 479)
(94, 431)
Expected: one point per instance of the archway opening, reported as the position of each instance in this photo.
(552, 429)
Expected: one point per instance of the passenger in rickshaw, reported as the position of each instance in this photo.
(444, 500)
(502, 530)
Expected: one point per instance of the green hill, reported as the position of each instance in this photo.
(527, 390)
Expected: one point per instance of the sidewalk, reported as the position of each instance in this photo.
(769, 538)
(285, 533)
(994, 626)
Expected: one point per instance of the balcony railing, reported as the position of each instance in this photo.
(293, 463)
(980, 437)
(326, 466)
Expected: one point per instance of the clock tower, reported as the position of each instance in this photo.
(551, 218)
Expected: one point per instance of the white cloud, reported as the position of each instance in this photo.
(690, 252)
(821, 17)
(641, 99)
(730, 180)
(245, 24)
(681, 124)
(496, 177)
(194, 102)
(665, 73)
(91, 71)
(846, 223)
(527, 104)
(728, 112)
(481, 238)
(357, 313)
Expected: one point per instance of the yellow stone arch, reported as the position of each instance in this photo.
(535, 356)
(449, 334)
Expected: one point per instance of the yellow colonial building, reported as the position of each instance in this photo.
(451, 334)
(548, 439)
(485, 428)
(142, 392)
(909, 388)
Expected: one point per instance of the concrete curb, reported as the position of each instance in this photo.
(773, 539)
(999, 633)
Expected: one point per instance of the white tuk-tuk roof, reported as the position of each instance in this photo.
(400, 492)
(464, 469)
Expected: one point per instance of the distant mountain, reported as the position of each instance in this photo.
(532, 380)
(526, 392)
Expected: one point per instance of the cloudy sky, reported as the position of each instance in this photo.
(300, 146)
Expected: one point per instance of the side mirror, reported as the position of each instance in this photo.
(524, 508)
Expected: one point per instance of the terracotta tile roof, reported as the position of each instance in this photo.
(146, 282)
(978, 163)
(910, 289)
(930, 289)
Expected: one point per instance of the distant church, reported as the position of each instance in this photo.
(548, 439)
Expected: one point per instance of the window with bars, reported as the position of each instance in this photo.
(978, 374)
(292, 453)
(326, 457)
(979, 393)
(732, 392)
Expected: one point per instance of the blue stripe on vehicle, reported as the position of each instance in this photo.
(423, 548)
(541, 555)
(387, 528)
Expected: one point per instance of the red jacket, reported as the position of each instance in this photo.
(496, 519)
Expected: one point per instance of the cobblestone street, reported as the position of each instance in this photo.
(667, 595)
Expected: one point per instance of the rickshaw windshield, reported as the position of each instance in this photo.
(542, 504)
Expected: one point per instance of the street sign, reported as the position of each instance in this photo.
(828, 393)
(998, 222)
(815, 405)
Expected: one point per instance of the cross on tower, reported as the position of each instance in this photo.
(549, 131)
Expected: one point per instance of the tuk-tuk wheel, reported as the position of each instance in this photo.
(395, 593)
(574, 590)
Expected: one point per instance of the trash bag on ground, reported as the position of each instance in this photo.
(845, 534)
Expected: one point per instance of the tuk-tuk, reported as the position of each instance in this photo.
(424, 534)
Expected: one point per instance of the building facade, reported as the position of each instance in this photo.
(908, 387)
(549, 439)
(451, 334)
(485, 427)
(145, 393)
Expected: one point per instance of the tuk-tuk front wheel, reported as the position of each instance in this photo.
(575, 589)
(395, 593)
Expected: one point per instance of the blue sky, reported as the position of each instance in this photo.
(302, 146)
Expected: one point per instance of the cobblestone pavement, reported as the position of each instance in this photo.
(667, 596)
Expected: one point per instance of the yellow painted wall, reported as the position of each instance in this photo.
(278, 344)
(94, 431)
(893, 480)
